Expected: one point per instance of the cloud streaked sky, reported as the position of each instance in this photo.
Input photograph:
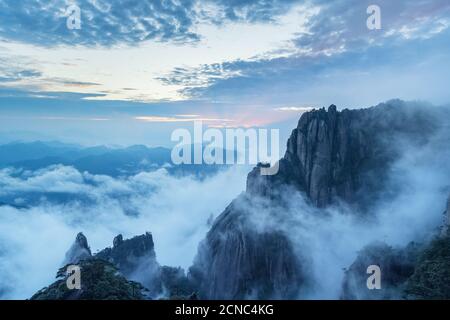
(238, 63)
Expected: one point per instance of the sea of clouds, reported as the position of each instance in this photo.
(34, 238)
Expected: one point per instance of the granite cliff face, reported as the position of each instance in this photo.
(135, 258)
(396, 266)
(345, 155)
(331, 156)
(238, 262)
(431, 277)
(127, 270)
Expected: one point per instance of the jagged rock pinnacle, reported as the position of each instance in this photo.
(117, 241)
(78, 251)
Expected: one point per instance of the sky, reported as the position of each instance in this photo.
(137, 70)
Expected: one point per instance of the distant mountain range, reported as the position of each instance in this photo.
(99, 160)
(95, 160)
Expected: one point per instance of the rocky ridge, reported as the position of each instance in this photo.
(127, 270)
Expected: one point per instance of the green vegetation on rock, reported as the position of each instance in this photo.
(100, 280)
(431, 279)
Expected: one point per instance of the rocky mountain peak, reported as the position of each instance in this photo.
(78, 251)
(344, 154)
(118, 240)
(127, 270)
(135, 258)
(81, 240)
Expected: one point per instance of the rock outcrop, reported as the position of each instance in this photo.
(78, 251)
(130, 267)
(135, 257)
(136, 260)
(237, 262)
(129, 255)
(396, 266)
(175, 285)
(100, 280)
(334, 155)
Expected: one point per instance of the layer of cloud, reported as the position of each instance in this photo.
(108, 23)
(34, 240)
(336, 42)
(247, 10)
(340, 23)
